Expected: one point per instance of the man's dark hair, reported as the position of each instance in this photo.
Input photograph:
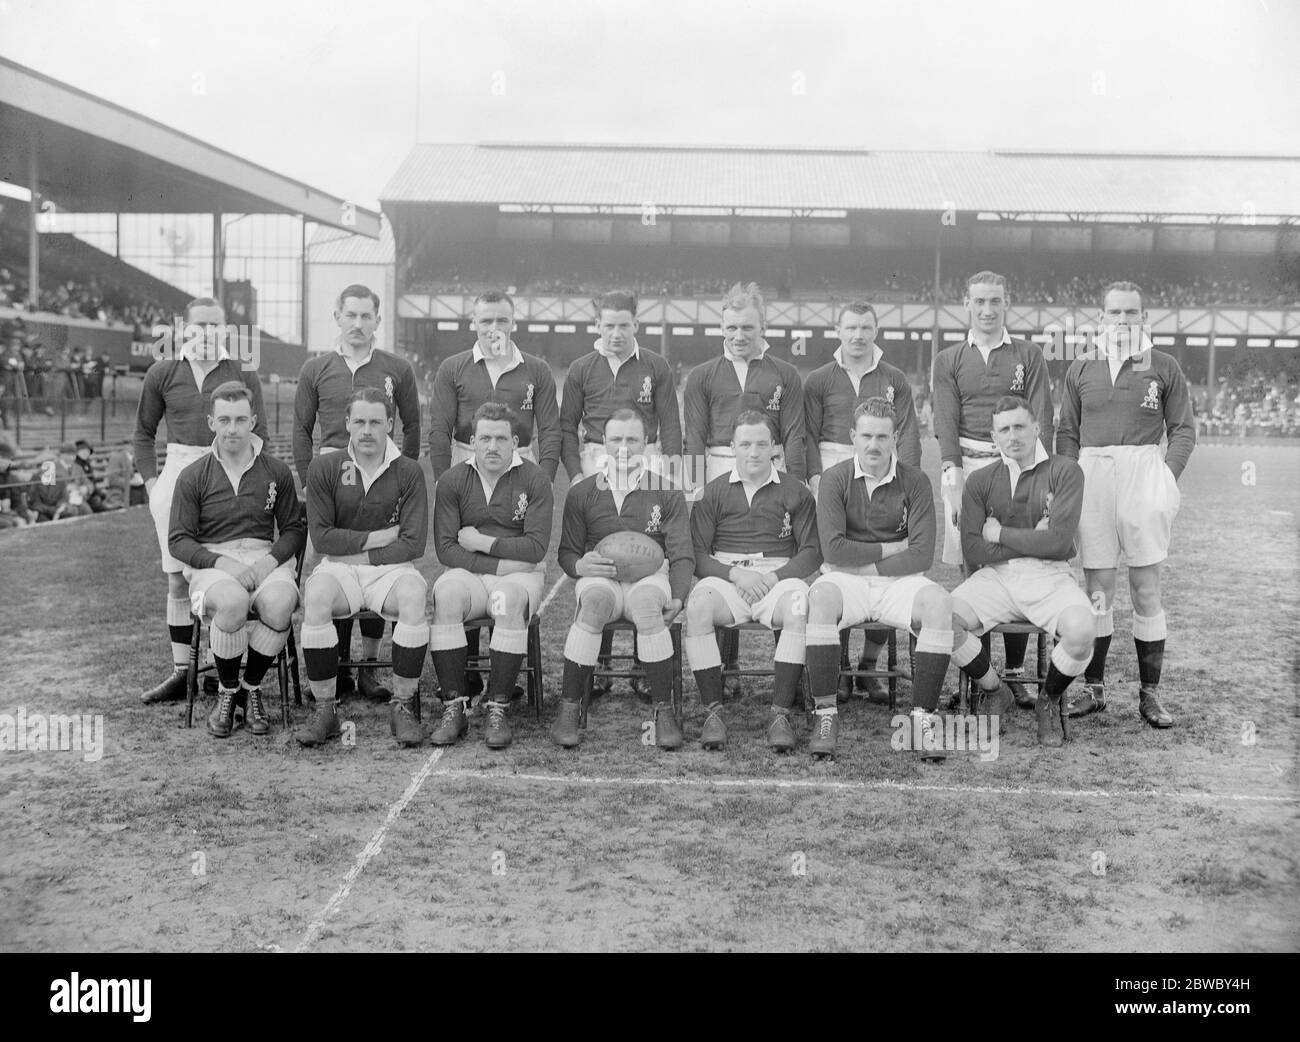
(626, 413)
(1011, 402)
(877, 407)
(749, 417)
(616, 300)
(495, 412)
(374, 396)
(858, 307)
(230, 391)
(1122, 287)
(358, 292)
(202, 302)
(494, 296)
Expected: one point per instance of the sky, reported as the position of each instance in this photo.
(336, 93)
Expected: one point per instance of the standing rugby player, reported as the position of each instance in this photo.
(624, 496)
(226, 511)
(857, 371)
(1019, 518)
(1115, 410)
(745, 376)
(875, 520)
(177, 390)
(618, 374)
(754, 531)
(368, 515)
(491, 528)
(968, 378)
(325, 386)
(493, 370)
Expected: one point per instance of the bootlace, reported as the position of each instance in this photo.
(225, 702)
(824, 725)
(256, 710)
(496, 713)
(450, 711)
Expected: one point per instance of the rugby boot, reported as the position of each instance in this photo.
(1049, 711)
(928, 736)
(639, 688)
(170, 690)
(668, 732)
(780, 735)
(1152, 711)
(1020, 694)
(825, 731)
(221, 721)
(601, 685)
(564, 732)
(370, 687)
(405, 727)
(323, 725)
(714, 733)
(345, 684)
(733, 687)
(453, 725)
(1090, 699)
(497, 733)
(876, 688)
(998, 703)
(255, 718)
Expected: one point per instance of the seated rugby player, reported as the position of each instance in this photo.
(491, 528)
(624, 496)
(755, 537)
(876, 523)
(368, 516)
(236, 527)
(1019, 517)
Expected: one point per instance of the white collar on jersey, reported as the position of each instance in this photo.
(600, 349)
(733, 358)
(876, 356)
(771, 478)
(257, 451)
(347, 356)
(516, 460)
(1015, 470)
(858, 472)
(391, 453)
(516, 356)
(1006, 338)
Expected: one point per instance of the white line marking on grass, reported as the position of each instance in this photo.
(371, 849)
(846, 786)
(1281, 513)
(394, 812)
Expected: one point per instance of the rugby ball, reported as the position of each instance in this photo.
(634, 554)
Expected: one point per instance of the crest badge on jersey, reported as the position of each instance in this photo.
(1152, 400)
(787, 529)
(1047, 507)
(521, 508)
(528, 399)
(656, 522)
(270, 497)
(774, 403)
(889, 394)
(902, 525)
(1018, 378)
(388, 387)
(646, 397)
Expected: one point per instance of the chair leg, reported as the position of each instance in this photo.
(678, 708)
(282, 676)
(535, 673)
(891, 661)
(192, 673)
(292, 648)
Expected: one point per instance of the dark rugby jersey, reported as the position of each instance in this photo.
(1053, 489)
(592, 391)
(966, 389)
(324, 387)
(206, 509)
(169, 392)
(781, 522)
(341, 513)
(852, 525)
(659, 512)
(518, 517)
(829, 400)
(714, 398)
(1138, 409)
(462, 384)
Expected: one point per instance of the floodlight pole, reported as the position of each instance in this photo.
(33, 235)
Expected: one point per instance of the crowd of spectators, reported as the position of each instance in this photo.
(1251, 402)
(1085, 291)
(31, 370)
(54, 485)
(93, 299)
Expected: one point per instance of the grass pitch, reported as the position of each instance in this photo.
(1129, 839)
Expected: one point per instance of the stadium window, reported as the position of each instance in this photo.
(566, 329)
(1198, 341)
(1225, 341)
(805, 333)
(683, 330)
(448, 327)
(951, 337)
(715, 331)
(538, 327)
(1286, 342)
(770, 333)
(654, 330)
(895, 334)
(1258, 341)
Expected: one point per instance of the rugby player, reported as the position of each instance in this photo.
(616, 374)
(325, 387)
(237, 526)
(745, 376)
(857, 371)
(176, 389)
(368, 515)
(876, 524)
(1114, 411)
(1019, 517)
(623, 496)
(754, 532)
(493, 370)
(967, 379)
(491, 528)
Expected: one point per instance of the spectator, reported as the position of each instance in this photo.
(81, 461)
(125, 486)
